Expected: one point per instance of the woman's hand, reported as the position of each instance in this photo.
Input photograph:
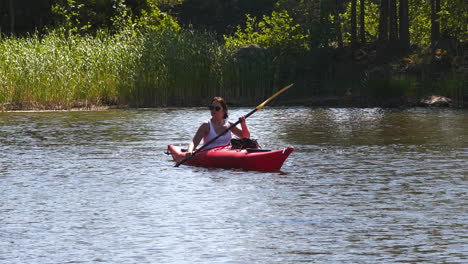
(242, 119)
(245, 130)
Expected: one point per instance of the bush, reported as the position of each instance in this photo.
(276, 32)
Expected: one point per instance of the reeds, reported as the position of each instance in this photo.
(155, 68)
(59, 72)
(185, 68)
(168, 67)
(175, 68)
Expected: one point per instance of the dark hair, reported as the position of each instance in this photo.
(221, 101)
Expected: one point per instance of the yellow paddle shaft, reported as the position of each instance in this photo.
(260, 106)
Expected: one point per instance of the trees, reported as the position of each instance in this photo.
(353, 24)
(388, 26)
(23, 16)
(222, 17)
(393, 25)
(435, 25)
(276, 32)
(383, 22)
(366, 21)
(331, 23)
(435, 19)
(362, 17)
(12, 15)
(84, 16)
(337, 23)
(404, 25)
(313, 9)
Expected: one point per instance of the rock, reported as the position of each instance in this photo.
(435, 100)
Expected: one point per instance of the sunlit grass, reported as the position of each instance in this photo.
(160, 68)
(183, 68)
(157, 68)
(60, 72)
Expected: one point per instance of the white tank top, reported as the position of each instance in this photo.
(222, 140)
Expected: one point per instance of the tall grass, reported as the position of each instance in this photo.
(58, 71)
(158, 68)
(175, 68)
(183, 68)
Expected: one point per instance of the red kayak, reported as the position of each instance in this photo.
(228, 158)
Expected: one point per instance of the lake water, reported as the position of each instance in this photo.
(362, 186)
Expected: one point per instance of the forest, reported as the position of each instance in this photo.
(63, 54)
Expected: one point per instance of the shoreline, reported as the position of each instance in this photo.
(72, 109)
(324, 101)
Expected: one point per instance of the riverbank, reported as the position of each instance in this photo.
(367, 102)
(329, 101)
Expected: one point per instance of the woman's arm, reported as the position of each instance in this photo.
(241, 133)
(201, 132)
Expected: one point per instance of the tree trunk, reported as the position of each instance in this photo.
(353, 23)
(12, 17)
(313, 10)
(339, 35)
(435, 24)
(393, 34)
(362, 29)
(383, 22)
(316, 10)
(404, 25)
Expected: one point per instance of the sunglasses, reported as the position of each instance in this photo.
(217, 108)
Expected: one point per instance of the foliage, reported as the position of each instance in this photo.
(218, 16)
(371, 22)
(276, 32)
(72, 13)
(151, 18)
(80, 16)
(420, 22)
(166, 2)
(453, 17)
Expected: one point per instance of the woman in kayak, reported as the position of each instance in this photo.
(216, 125)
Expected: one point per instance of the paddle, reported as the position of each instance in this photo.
(259, 107)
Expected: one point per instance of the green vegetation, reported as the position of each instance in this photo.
(59, 72)
(155, 68)
(277, 33)
(117, 52)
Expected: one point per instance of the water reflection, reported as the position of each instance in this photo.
(363, 186)
(349, 127)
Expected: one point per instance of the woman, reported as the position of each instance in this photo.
(217, 125)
